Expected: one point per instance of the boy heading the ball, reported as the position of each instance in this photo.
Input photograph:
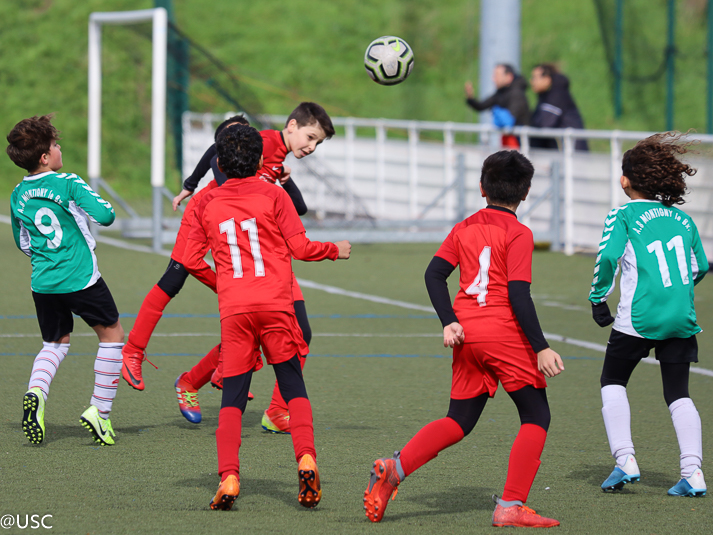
(306, 127)
(253, 231)
(50, 224)
(496, 337)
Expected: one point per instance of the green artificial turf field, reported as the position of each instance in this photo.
(376, 375)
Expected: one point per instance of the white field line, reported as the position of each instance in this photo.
(383, 300)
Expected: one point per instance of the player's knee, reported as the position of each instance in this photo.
(289, 379)
(173, 279)
(607, 381)
(235, 391)
(466, 412)
(540, 418)
(673, 395)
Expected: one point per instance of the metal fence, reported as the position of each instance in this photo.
(390, 180)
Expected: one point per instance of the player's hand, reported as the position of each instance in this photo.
(453, 334)
(285, 174)
(178, 198)
(345, 249)
(549, 362)
(601, 314)
(469, 89)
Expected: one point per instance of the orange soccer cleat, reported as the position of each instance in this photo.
(131, 369)
(228, 491)
(310, 486)
(519, 516)
(382, 486)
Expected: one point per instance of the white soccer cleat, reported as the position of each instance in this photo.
(629, 473)
(693, 487)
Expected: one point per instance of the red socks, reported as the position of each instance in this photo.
(524, 462)
(277, 403)
(428, 442)
(301, 427)
(201, 373)
(227, 437)
(149, 314)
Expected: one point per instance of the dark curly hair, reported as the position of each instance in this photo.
(29, 140)
(239, 151)
(653, 167)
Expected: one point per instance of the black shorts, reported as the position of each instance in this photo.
(94, 305)
(671, 350)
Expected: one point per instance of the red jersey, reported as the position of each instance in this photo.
(246, 223)
(205, 275)
(492, 248)
(274, 152)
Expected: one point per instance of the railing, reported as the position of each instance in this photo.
(400, 179)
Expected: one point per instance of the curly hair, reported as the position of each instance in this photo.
(653, 167)
(29, 140)
(239, 150)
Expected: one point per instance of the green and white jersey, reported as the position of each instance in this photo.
(661, 258)
(49, 223)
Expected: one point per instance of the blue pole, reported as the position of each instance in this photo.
(670, 66)
(618, 58)
(709, 94)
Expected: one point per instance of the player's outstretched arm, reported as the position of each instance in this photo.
(549, 362)
(313, 251)
(453, 334)
(179, 198)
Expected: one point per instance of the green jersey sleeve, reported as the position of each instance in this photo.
(699, 262)
(99, 210)
(611, 249)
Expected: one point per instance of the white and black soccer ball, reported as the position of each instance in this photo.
(388, 60)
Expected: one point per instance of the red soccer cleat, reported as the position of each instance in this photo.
(228, 491)
(310, 486)
(276, 421)
(520, 516)
(382, 485)
(188, 400)
(131, 368)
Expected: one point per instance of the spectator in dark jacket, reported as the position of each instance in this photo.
(508, 103)
(510, 94)
(555, 106)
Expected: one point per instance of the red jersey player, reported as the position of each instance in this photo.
(306, 127)
(253, 231)
(171, 282)
(496, 337)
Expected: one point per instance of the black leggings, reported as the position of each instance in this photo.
(173, 279)
(531, 405)
(289, 379)
(674, 376)
(301, 313)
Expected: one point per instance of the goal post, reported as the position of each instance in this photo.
(159, 17)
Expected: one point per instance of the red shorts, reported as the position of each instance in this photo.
(478, 367)
(241, 335)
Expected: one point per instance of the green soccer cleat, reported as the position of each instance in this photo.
(99, 427)
(33, 417)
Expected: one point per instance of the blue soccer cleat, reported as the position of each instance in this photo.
(692, 487)
(629, 473)
(188, 400)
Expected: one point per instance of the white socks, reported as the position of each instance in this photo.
(45, 366)
(617, 421)
(107, 368)
(687, 424)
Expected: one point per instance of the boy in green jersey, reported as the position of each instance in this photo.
(50, 213)
(661, 257)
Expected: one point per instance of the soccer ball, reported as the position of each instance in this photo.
(388, 60)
